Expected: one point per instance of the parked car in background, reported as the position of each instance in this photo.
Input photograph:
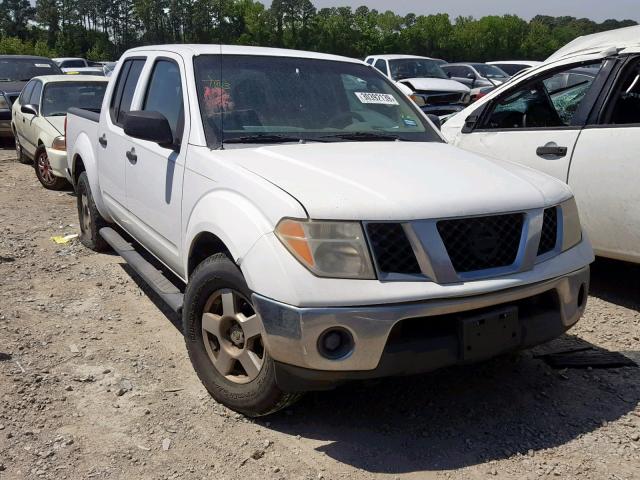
(107, 68)
(324, 232)
(576, 117)
(475, 75)
(15, 72)
(424, 81)
(513, 67)
(38, 121)
(71, 63)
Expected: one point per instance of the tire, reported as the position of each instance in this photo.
(45, 174)
(20, 155)
(254, 394)
(90, 219)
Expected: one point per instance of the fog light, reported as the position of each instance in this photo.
(335, 343)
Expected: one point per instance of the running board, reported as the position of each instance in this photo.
(150, 274)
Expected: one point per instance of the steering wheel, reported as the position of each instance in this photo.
(345, 116)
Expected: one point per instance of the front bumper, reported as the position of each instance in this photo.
(58, 162)
(409, 338)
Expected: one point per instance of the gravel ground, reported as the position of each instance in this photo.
(95, 383)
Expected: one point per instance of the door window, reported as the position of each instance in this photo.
(164, 95)
(625, 105)
(34, 99)
(125, 87)
(382, 66)
(548, 101)
(26, 93)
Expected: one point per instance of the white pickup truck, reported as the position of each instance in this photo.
(322, 227)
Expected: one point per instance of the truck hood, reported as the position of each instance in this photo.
(398, 180)
(435, 84)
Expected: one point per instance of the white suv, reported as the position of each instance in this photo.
(323, 228)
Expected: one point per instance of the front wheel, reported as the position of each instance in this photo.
(223, 334)
(45, 174)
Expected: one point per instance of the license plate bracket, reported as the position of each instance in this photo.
(490, 333)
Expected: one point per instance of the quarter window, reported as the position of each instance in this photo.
(550, 101)
(164, 95)
(123, 92)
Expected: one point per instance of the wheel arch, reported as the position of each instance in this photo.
(204, 245)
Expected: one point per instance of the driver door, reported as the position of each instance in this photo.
(537, 123)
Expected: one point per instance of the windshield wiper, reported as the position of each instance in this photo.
(364, 136)
(262, 138)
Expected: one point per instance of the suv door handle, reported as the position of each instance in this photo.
(131, 156)
(103, 140)
(551, 149)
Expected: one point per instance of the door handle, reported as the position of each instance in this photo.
(103, 140)
(551, 149)
(131, 156)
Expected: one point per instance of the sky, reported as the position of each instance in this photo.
(597, 10)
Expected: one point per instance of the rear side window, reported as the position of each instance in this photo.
(164, 95)
(26, 93)
(625, 106)
(125, 87)
(35, 94)
(382, 66)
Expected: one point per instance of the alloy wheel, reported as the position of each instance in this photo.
(231, 332)
(44, 167)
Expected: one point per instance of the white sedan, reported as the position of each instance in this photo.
(576, 117)
(38, 118)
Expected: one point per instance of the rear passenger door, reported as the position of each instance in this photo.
(154, 173)
(29, 133)
(112, 144)
(605, 170)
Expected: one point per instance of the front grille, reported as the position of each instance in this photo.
(549, 234)
(439, 98)
(478, 243)
(391, 248)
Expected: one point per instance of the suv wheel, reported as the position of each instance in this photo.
(90, 219)
(224, 340)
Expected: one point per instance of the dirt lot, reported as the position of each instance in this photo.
(95, 383)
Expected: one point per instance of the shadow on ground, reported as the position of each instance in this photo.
(616, 282)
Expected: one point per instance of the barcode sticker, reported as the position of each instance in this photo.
(376, 98)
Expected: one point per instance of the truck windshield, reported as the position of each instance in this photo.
(263, 99)
(21, 69)
(60, 97)
(415, 68)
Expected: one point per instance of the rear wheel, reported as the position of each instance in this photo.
(90, 219)
(45, 174)
(224, 340)
(20, 155)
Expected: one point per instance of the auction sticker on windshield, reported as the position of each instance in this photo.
(377, 98)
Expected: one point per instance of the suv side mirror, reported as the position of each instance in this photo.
(29, 109)
(435, 120)
(151, 126)
(449, 74)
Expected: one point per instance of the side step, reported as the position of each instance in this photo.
(150, 274)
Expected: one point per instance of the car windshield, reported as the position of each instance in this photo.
(264, 99)
(416, 68)
(60, 97)
(490, 71)
(21, 69)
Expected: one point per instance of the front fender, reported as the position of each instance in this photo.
(83, 149)
(236, 221)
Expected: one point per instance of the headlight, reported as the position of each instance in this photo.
(3, 103)
(571, 229)
(328, 249)
(59, 143)
(418, 99)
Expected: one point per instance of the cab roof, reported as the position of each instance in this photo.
(599, 42)
(192, 50)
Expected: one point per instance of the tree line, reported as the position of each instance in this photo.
(103, 29)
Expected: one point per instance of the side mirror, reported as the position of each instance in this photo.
(29, 109)
(435, 120)
(150, 126)
(449, 74)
